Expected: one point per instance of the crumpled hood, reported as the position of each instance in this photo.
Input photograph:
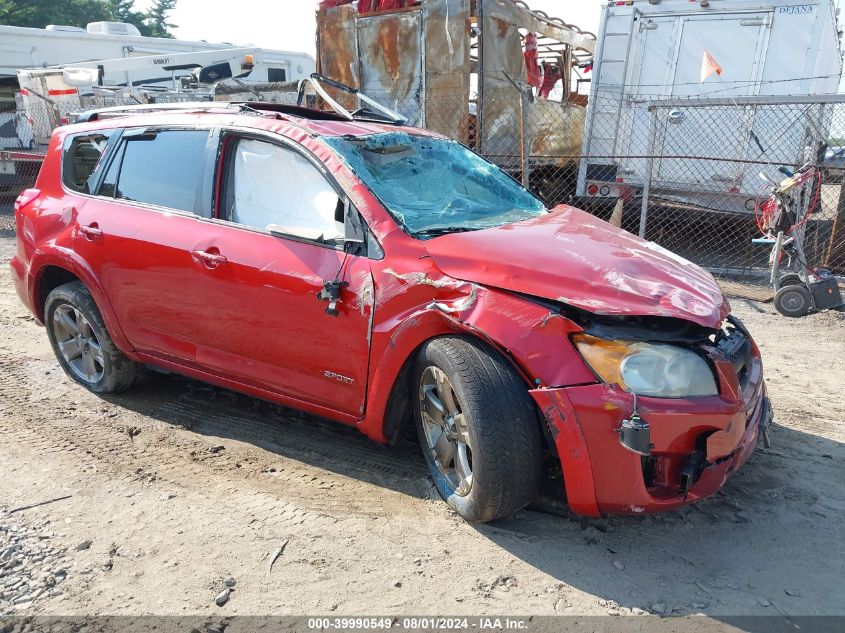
(573, 257)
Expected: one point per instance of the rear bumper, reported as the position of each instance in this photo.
(604, 477)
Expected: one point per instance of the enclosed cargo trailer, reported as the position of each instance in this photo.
(648, 106)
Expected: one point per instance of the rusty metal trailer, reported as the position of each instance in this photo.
(457, 67)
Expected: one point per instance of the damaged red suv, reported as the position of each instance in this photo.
(384, 276)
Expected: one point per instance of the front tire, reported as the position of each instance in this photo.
(82, 343)
(478, 429)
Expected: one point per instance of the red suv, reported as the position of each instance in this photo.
(381, 276)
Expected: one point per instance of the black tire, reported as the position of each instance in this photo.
(499, 423)
(790, 279)
(793, 301)
(112, 371)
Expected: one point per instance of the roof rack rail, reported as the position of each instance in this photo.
(146, 108)
(371, 110)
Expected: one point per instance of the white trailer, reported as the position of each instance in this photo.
(50, 94)
(22, 47)
(649, 62)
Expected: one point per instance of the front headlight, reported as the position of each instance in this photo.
(647, 369)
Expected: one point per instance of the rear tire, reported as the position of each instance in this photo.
(793, 301)
(477, 427)
(82, 344)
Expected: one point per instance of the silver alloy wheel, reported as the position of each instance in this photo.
(445, 430)
(78, 344)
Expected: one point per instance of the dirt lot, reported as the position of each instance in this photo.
(146, 503)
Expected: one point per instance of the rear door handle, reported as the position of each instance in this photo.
(92, 231)
(211, 260)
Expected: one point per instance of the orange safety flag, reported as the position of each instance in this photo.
(709, 65)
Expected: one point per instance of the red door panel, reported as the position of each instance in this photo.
(143, 259)
(262, 323)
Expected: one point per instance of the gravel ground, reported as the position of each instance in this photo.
(161, 500)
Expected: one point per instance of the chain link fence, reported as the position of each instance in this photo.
(699, 174)
(20, 159)
(684, 173)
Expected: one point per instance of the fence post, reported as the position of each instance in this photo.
(526, 98)
(652, 142)
(525, 148)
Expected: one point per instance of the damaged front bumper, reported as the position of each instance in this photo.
(696, 445)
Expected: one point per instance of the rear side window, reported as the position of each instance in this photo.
(82, 154)
(163, 168)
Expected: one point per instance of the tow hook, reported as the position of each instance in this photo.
(634, 433)
(692, 471)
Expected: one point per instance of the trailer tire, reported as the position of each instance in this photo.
(793, 301)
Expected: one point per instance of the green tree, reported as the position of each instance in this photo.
(40, 13)
(122, 10)
(156, 20)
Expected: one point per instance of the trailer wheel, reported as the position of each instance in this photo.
(790, 279)
(793, 301)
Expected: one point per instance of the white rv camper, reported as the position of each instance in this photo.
(652, 51)
(61, 45)
(49, 95)
(49, 62)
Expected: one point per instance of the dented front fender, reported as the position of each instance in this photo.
(414, 305)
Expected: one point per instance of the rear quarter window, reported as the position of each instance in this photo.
(82, 156)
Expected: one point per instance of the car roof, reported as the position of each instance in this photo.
(262, 116)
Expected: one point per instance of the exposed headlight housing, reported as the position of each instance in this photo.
(648, 369)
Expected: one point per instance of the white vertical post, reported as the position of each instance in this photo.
(652, 147)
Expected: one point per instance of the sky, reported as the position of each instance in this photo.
(289, 24)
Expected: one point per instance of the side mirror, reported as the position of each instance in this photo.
(355, 235)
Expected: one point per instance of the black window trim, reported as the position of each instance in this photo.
(112, 135)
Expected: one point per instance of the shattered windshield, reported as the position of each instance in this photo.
(434, 186)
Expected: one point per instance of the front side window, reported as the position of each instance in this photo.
(163, 168)
(433, 186)
(82, 154)
(277, 189)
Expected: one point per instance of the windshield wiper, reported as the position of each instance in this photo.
(444, 230)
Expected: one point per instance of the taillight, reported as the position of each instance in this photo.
(593, 190)
(26, 198)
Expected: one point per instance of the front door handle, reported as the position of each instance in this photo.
(209, 258)
(92, 231)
